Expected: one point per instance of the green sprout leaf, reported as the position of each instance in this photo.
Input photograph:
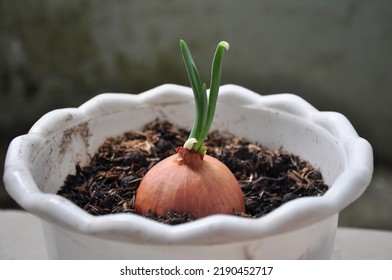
(205, 105)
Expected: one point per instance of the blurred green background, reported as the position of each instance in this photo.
(336, 54)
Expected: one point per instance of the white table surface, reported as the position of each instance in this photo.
(21, 238)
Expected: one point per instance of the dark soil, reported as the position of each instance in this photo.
(267, 178)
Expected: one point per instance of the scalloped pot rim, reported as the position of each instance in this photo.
(217, 229)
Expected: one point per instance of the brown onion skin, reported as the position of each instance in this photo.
(189, 183)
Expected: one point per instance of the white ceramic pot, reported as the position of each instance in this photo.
(37, 164)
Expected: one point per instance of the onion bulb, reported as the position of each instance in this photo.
(188, 183)
(191, 181)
